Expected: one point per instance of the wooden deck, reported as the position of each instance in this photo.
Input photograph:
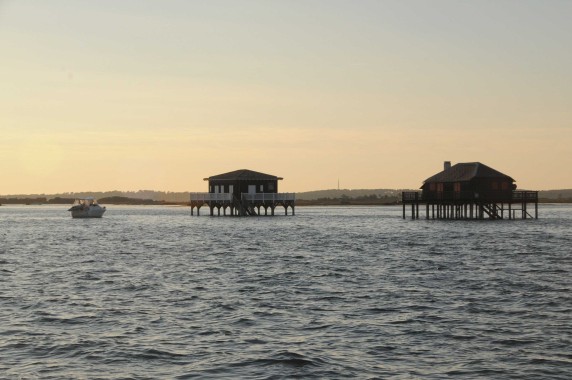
(247, 204)
(468, 205)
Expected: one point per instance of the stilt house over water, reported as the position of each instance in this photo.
(243, 193)
(470, 190)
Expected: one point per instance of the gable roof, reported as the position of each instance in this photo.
(243, 175)
(467, 171)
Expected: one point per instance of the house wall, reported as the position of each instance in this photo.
(477, 189)
(241, 186)
(494, 188)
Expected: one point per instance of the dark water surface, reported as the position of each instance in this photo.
(333, 293)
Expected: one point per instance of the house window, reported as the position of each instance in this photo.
(504, 186)
(270, 186)
(432, 186)
(457, 187)
(440, 187)
(262, 188)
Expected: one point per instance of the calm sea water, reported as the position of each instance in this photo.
(333, 293)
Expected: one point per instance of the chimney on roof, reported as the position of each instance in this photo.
(447, 165)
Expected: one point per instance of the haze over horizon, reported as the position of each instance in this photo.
(137, 95)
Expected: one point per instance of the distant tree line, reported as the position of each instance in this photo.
(129, 201)
(332, 196)
(166, 196)
(344, 199)
(117, 200)
(351, 193)
(36, 200)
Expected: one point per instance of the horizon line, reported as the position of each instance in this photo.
(187, 191)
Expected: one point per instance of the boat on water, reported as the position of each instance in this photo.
(86, 208)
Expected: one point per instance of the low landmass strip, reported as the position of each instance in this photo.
(364, 197)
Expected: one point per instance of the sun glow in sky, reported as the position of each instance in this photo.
(129, 95)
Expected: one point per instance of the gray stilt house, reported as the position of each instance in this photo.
(243, 193)
(470, 190)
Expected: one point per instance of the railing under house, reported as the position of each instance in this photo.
(204, 197)
(252, 197)
(268, 197)
(468, 196)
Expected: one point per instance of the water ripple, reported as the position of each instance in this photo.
(151, 292)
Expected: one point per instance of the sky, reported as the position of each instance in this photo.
(130, 95)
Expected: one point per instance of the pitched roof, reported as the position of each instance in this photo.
(243, 175)
(466, 171)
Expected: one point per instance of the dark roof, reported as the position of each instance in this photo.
(243, 175)
(465, 172)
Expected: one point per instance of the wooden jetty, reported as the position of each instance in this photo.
(470, 191)
(243, 193)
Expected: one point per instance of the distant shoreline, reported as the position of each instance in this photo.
(331, 197)
(69, 201)
(123, 201)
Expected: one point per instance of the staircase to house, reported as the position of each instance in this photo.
(250, 210)
(244, 207)
(492, 210)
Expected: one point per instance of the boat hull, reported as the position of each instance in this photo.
(90, 212)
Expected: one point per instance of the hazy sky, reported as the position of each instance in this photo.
(129, 95)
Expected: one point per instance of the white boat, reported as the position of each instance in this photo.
(86, 208)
